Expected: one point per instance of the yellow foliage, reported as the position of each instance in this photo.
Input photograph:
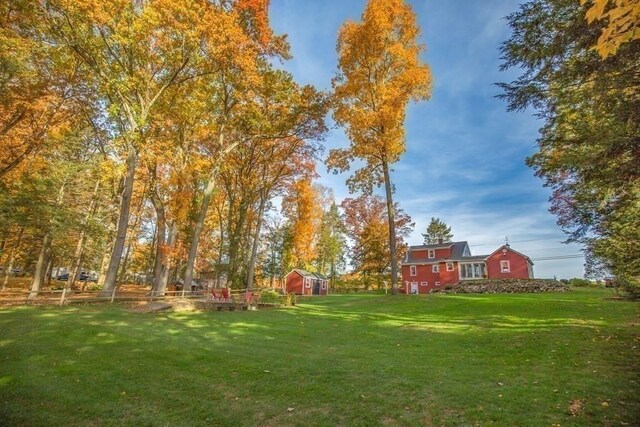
(623, 23)
(380, 72)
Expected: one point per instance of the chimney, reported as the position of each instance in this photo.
(439, 240)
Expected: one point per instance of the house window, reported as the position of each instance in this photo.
(431, 254)
(449, 266)
(504, 267)
(412, 270)
(437, 283)
(423, 284)
(307, 283)
(476, 270)
(435, 268)
(324, 285)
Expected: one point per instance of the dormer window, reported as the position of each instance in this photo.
(432, 253)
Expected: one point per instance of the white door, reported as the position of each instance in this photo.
(414, 287)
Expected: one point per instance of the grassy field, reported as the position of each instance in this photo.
(528, 360)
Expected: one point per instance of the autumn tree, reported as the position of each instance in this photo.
(437, 232)
(302, 209)
(623, 23)
(39, 84)
(367, 227)
(332, 244)
(379, 73)
(588, 147)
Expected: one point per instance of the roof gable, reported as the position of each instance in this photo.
(508, 248)
(308, 274)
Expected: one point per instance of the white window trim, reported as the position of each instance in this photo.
(424, 284)
(475, 277)
(413, 270)
(450, 266)
(503, 264)
(437, 283)
(435, 268)
(431, 253)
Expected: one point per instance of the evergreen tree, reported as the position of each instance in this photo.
(437, 232)
(588, 149)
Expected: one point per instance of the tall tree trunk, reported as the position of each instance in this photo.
(236, 231)
(123, 222)
(48, 271)
(3, 243)
(104, 265)
(166, 265)
(204, 207)
(12, 259)
(254, 248)
(41, 266)
(392, 228)
(77, 255)
(197, 229)
(161, 231)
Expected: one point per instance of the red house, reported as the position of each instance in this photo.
(302, 282)
(430, 267)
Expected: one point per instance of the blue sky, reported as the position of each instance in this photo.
(465, 159)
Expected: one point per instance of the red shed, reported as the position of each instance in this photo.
(302, 282)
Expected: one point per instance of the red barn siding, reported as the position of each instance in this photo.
(419, 254)
(424, 273)
(449, 277)
(424, 253)
(518, 265)
(294, 283)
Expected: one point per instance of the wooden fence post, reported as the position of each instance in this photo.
(64, 292)
(113, 295)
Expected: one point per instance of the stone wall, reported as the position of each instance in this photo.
(510, 286)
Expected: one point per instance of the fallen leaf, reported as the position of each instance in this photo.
(575, 407)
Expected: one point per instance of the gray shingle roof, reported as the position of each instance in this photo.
(306, 273)
(457, 253)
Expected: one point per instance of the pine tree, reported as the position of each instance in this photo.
(437, 232)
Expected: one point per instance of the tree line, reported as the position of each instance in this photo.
(158, 136)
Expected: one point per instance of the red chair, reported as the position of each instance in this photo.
(248, 297)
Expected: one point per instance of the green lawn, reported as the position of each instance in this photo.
(529, 360)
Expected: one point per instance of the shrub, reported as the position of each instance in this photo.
(290, 299)
(270, 297)
(581, 283)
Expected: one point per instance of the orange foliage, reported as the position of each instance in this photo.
(302, 207)
(380, 72)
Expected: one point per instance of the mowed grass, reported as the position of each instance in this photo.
(528, 360)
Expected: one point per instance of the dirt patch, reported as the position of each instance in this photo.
(150, 307)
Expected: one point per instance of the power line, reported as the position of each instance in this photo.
(518, 241)
(558, 257)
